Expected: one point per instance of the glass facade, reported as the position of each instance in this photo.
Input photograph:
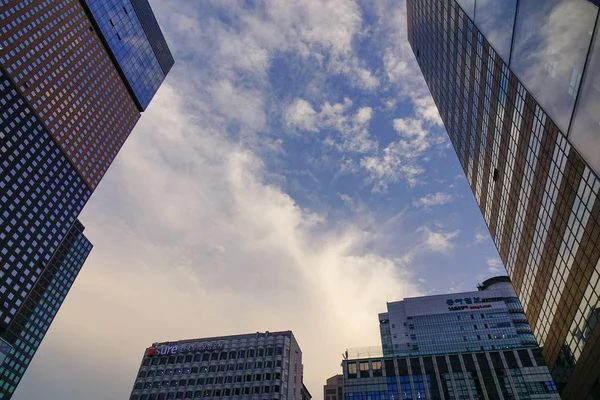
(536, 187)
(546, 45)
(32, 321)
(551, 42)
(258, 366)
(585, 130)
(483, 375)
(136, 43)
(495, 19)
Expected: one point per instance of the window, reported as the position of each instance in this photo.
(364, 369)
(377, 368)
(352, 370)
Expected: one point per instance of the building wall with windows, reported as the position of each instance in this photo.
(516, 85)
(489, 319)
(31, 322)
(41, 195)
(510, 374)
(53, 55)
(259, 366)
(334, 388)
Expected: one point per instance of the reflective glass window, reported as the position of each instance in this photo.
(495, 19)
(468, 6)
(585, 131)
(550, 47)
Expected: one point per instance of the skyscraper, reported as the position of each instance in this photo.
(516, 84)
(261, 365)
(31, 322)
(74, 77)
(471, 345)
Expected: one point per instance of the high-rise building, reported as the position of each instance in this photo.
(471, 345)
(516, 84)
(253, 366)
(31, 322)
(74, 77)
(334, 388)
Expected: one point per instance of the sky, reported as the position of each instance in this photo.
(292, 173)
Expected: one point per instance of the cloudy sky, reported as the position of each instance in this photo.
(291, 173)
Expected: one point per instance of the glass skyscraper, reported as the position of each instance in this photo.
(472, 345)
(74, 77)
(517, 86)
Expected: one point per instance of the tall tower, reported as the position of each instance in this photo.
(516, 84)
(74, 77)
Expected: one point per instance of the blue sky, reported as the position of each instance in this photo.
(291, 173)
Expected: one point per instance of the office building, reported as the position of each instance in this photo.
(516, 84)
(259, 366)
(493, 375)
(31, 322)
(69, 97)
(334, 388)
(488, 319)
(471, 345)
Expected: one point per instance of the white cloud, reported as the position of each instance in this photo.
(353, 128)
(434, 199)
(480, 237)
(439, 241)
(494, 264)
(301, 115)
(368, 81)
(401, 159)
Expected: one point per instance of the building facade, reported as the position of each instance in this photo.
(491, 375)
(488, 319)
(334, 388)
(254, 366)
(471, 345)
(69, 97)
(516, 84)
(33, 319)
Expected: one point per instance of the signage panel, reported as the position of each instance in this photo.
(184, 348)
